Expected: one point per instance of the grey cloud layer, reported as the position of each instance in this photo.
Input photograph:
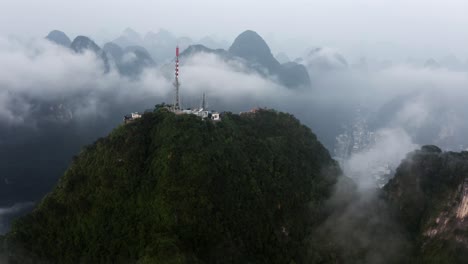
(41, 72)
(34, 72)
(404, 105)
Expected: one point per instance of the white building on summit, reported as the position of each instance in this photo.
(216, 116)
(131, 117)
(176, 107)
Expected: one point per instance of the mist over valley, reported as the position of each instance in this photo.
(347, 154)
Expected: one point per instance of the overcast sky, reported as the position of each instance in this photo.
(424, 28)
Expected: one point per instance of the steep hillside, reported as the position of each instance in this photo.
(430, 195)
(176, 189)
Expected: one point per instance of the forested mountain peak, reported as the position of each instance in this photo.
(176, 188)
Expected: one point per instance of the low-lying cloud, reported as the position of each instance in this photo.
(370, 166)
(427, 104)
(38, 78)
(379, 114)
(40, 72)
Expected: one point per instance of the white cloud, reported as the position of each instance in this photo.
(40, 72)
(390, 147)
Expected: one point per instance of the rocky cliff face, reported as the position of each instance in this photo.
(430, 196)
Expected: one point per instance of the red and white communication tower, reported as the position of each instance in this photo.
(176, 82)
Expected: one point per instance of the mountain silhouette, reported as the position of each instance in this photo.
(59, 38)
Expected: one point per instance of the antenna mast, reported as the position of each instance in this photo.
(176, 83)
(203, 106)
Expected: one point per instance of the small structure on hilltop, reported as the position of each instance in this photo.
(201, 112)
(252, 111)
(176, 108)
(216, 117)
(131, 117)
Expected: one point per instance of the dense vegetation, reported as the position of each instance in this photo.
(175, 189)
(428, 193)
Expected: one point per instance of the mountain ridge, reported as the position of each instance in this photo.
(429, 194)
(59, 38)
(250, 49)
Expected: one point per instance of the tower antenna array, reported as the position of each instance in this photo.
(176, 105)
(203, 106)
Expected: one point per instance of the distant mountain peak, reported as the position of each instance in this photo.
(59, 38)
(198, 48)
(250, 35)
(324, 59)
(253, 52)
(114, 50)
(129, 32)
(130, 61)
(431, 64)
(82, 43)
(162, 35)
(141, 54)
(195, 48)
(251, 46)
(128, 37)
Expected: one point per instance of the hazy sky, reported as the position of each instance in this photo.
(410, 27)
